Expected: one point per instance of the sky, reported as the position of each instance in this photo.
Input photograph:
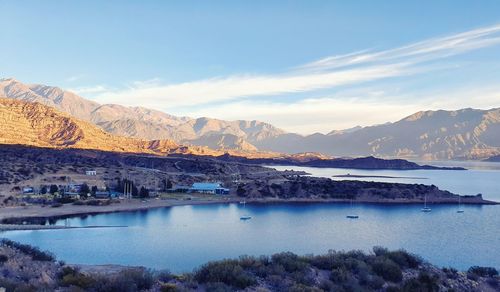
(304, 66)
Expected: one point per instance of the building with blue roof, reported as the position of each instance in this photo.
(209, 188)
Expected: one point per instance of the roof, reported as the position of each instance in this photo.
(206, 186)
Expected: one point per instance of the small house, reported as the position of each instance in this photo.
(90, 172)
(28, 190)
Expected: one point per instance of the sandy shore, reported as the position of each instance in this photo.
(67, 210)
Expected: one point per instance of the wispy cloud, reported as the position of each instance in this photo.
(230, 97)
(228, 88)
(417, 52)
(330, 72)
(90, 90)
(74, 78)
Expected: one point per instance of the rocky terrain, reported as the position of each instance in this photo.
(143, 123)
(26, 268)
(493, 159)
(426, 135)
(34, 124)
(31, 166)
(353, 163)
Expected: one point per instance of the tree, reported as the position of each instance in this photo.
(84, 190)
(169, 184)
(43, 190)
(93, 190)
(53, 189)
(240, 191)
(144, 193)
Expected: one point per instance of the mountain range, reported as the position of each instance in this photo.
(427, 135)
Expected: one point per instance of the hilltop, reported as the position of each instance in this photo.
(426, 135)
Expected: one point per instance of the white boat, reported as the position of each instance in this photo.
(459, 209)
(425, 208)
(245, 217)
(352, 216)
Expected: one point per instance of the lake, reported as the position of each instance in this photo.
(481, 177)
(183, 237)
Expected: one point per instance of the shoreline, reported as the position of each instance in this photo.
(35, 217)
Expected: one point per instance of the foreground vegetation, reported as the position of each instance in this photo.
(26, 268)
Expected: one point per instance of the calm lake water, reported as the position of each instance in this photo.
(181, 238)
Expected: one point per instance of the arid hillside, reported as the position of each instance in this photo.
(32, 123)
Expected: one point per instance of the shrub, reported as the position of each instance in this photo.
(483, 271)
(404, 259)
(72, 277)
(339, 275)
(451, 273)
(387, 269)
(291, 262)
(3, 258)
(35, 253)
(227, 272)
(303, 288)
(169, 287)
(218, 287)
(142, 279)
(424, 282)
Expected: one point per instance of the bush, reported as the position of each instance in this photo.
(227, 272)
(72, 277)
(141, 278)
(424, 282)
(169, 287)
(387, 269)
(339, 275)
(3, 258)
(483, 271)
(404, 259)
(218, 287)
(291, 262)
(451, 273)
(35, 253)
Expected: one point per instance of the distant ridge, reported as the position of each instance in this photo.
(426, 135)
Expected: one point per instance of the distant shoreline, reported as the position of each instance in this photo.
(377, 176)
(36, 217)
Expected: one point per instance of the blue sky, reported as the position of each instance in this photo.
(305, 66)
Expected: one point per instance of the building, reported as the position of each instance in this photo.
(90, 172)
(209, 188)
(102, 195)
(28, 190)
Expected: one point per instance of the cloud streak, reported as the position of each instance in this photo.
(417, 52)
(330, 72)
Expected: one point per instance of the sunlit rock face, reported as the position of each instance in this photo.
(426, 135)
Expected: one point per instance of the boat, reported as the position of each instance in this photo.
(245, 217)
(352, 216)
(425, 208)
(459, 209)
